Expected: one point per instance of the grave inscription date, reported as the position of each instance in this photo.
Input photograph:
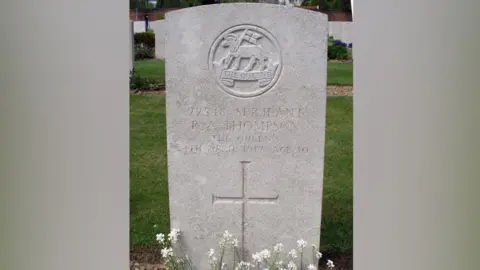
(248, 130)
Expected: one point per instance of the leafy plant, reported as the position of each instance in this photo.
(338, 50)
(143, 52)
(145, 38)
(141, 83)
(265, 259)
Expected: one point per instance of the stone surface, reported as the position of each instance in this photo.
(245, 146)
(341, 30)
(158, 28)
(132, 46)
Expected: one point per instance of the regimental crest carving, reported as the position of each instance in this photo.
(245, 60)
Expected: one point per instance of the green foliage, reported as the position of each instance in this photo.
(336, 52)
(137, 82)
(330, 40)
(330, 4)
(160, 17)
(144, 52)
(146, 39)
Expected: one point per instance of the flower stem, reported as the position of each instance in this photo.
(234, 256)
(221, 258)
(301, 260)
(185, 255)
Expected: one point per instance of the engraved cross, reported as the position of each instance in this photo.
(244, 200)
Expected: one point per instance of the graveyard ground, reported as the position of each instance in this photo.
(148, 173)
(339, 79)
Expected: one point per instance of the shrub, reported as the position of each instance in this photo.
(337, 52)
(143, 52)
(141, 83)
(146, 39)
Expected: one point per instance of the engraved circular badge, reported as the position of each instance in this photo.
(245, 60)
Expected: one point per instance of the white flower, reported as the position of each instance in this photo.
(301, 244)
(173, 236)
(278, 248)
(155, 225)
(256, 258)
(279, 263)
(293, 254)
(212, 261)
(235, 242)
(291, 266)
(243, 266)
(318, 255)
(330, 264)
(312, 267)
(224, 266)
(261, 256)
(265, 254)
(211, 252)
(167, 252)
(161, 238)
(227, 236)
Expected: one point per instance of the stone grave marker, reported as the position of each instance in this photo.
(158, 28)
(246, 97)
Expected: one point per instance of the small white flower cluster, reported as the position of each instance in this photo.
(173, 236)
(316, 252)
(171, 261)
(243, 266)
(161, 238)
(301, 244)
(261, 260)
(261, 256)
(330, 264)
(227, 239)
(212, 260)
(278, 248)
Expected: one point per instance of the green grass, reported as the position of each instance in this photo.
(151, 69)
(340, 73)
(337, 73)
(148, 173)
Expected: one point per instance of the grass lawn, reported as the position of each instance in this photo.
(338, 73)
(148, 172)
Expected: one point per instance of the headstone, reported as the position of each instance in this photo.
(158, 28)
(132, 45)
(246, 122)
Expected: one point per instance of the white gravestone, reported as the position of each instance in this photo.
(158, 28)
(245, 125)
(132, 46)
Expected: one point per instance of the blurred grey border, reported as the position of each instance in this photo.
(416, 150)
(64, 135)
